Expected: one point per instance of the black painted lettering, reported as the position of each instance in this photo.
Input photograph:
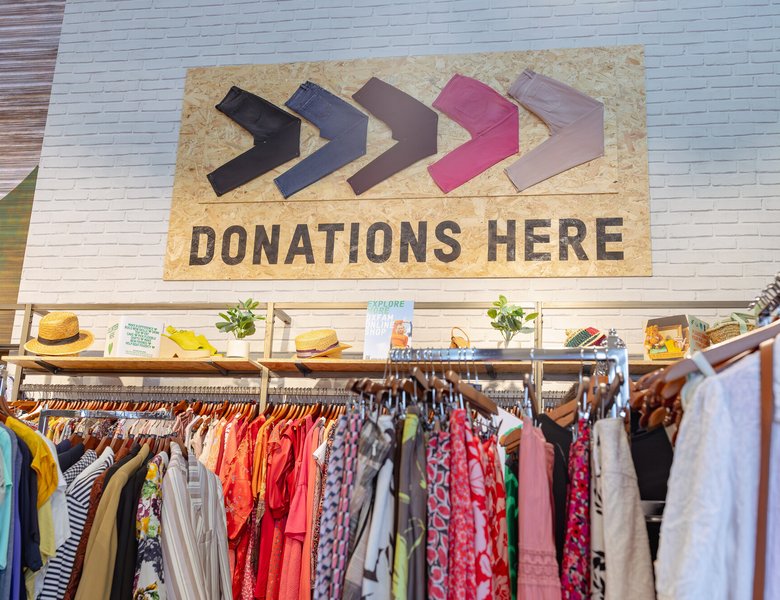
(300, 245)
(330, 230)
(354, 242)
(603, 238)
(566, 239)
(227, 241)
(387, 242)
(443, 230)
(510, 239)
(211, 239)
(532, 238)
(418, 243)
(265, 245)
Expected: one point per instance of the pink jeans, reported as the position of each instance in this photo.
(492, 122)
(576, 124)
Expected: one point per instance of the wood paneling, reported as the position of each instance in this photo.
(29, 37)
(614, 186)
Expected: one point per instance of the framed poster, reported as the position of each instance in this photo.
(251, 202)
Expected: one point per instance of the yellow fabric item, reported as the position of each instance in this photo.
(100, 557)
(42, 463)
(46, 526)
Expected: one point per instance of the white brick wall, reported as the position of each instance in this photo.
(713, 94)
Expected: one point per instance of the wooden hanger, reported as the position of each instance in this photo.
(511, 440)
(477, 399)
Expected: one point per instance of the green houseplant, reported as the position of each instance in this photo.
(510, 319)
(240, 321)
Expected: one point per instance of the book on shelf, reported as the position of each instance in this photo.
(388, 325)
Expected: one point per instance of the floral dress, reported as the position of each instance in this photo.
(149, 582)
(575, 572)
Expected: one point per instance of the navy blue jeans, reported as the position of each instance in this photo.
(277, 136)
(342, 124)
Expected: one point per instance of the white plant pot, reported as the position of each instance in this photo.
(504, 344)
(237, 349)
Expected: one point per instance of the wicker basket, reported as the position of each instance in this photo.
(735, 326)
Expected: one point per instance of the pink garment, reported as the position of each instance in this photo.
(576, 124)
(537, 570)
(483, 566)
(297, 522)
(462, 580)
(491, 120)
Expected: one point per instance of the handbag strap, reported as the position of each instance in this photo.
(466, 335)
(767, 418)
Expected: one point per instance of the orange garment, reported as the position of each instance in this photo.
(230, 452)
(260, 461)
(42, 463)
(215, 446)
(239, 501)
(281, 478)
(267, 525)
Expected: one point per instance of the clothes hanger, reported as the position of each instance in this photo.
(530, 393)
(477, 399)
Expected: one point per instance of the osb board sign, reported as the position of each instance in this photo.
(591, 220)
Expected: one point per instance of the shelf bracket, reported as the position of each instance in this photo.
(48, 366)
(219, 368)
(305, 371)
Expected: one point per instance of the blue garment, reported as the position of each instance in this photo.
(6, 483)
(63, 446)
(338, 121)
(7, 550)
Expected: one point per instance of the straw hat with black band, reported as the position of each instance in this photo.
(59, 334)
(317, 343)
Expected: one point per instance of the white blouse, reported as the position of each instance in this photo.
(708, 531)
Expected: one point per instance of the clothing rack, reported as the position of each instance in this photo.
(614, 354)
(115, 393)
(46, 413)
(767, 303)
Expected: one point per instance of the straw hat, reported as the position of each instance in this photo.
(320, 342)
(59, 334)
(590, 336)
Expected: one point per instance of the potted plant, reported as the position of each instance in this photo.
(509, 319)
(240, 321)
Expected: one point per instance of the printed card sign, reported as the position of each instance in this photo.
(509, 164)
(388, 325)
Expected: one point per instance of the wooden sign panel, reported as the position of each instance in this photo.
(589, 221)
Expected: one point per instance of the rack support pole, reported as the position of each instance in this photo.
(268, 345)
(25, 335)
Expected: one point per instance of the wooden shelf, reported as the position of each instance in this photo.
(175, 367)
(280, 367)
(334, 367)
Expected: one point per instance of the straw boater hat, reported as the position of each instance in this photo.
(320, 342)
(59, 334)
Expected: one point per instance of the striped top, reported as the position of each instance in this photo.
(58, 574)
(185, 578)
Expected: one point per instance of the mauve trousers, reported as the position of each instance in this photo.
(413, 124)
(277, 136)
(576, 124)
(492, 121)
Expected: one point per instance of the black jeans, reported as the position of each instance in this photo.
(338, 121)
(413, 124)
(277, 136)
